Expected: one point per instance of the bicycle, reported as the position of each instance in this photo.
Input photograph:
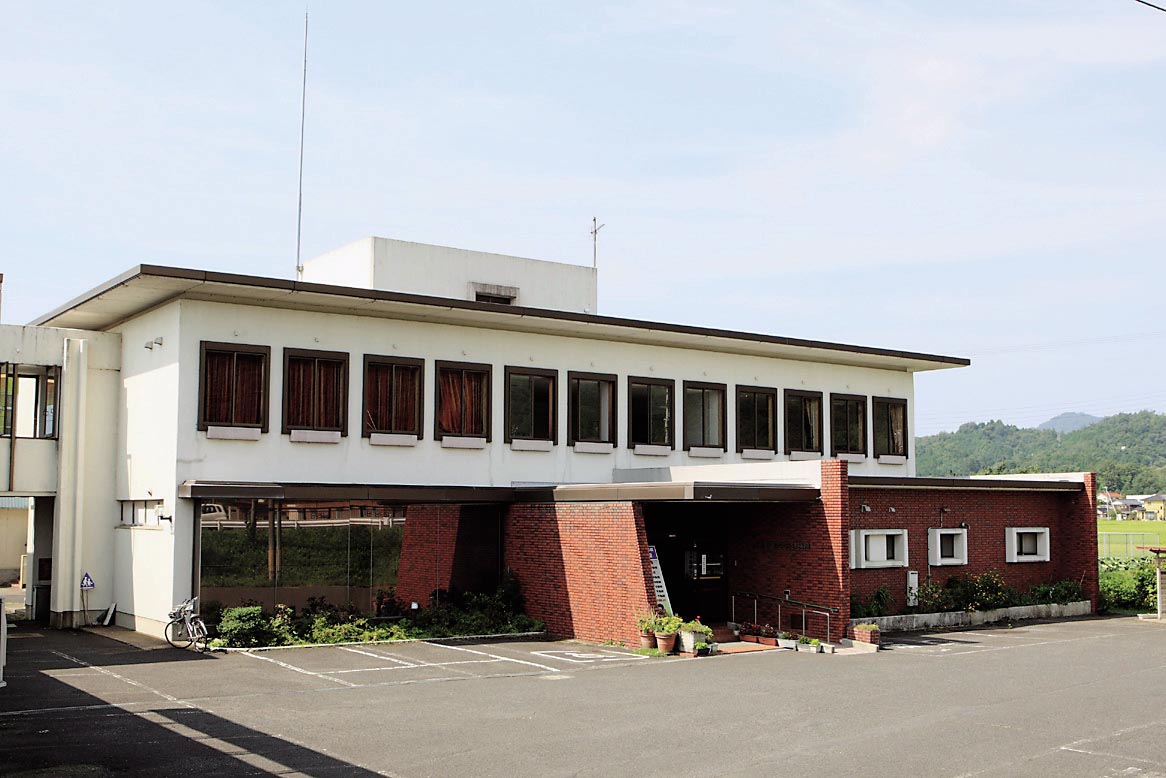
(186, 627)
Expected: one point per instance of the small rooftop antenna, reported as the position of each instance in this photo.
(595, 228)
(300, 199)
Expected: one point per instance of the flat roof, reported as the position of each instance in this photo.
(923, 482)
(672, 491)
(148, 286)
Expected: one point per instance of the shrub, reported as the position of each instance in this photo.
(990, 591)
(696, 627)
(667, 625)
(880, 603)
(245, 627)
(1132, 588)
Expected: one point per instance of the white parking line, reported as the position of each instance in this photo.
(496, 656)
(295, 669)
(412, 667)
(378, 656)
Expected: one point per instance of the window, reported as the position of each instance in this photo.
(532, 397)
(803, 421)
(392, 395)
(650, 417)
(140, 513)
(847, 424)
(315, 391)
(704, 415)
(947, 546)
(890, 427)
(756, 410)
(591, 408)
(872, 548)
(463, 400)
(1026, 544)
(29, 400)
(233, 386)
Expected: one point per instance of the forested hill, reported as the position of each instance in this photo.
(1128, 451)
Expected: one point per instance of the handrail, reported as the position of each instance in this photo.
(757, 596)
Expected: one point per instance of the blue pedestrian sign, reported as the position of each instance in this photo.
(86, 582)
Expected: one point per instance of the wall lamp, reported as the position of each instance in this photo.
(155, 342)
(864, 508)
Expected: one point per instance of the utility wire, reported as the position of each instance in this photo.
(1155, 7)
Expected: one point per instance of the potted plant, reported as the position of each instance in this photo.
(867, 633)
(647, 625)
(787, 640)
(768, 635)
(748, 632)
(809, 644)
(666, 629)
(691, 632)
(701, 649)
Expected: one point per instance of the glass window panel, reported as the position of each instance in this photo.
(26, 404)
(50, 407)
(640, 415)
(587, 406)
(747, 419)
(475, 403)
(300, 391)
(405, 393)
(378, 397)
(947, 546)
(521, 407)
(661, 415)
(694, 417)
(542, 410)
(712, 417)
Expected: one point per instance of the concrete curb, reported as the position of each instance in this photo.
(909, 622)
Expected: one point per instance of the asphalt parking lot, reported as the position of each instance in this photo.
(1075, 698)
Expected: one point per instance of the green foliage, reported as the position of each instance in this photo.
(646, 622)
(1127, 451)
(989, 591)
(696, 627)
(1131, 588)
(880, 603)
(649, 652)
(246, 628)
(867, 627)
(668, 625)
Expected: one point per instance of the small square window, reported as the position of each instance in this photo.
(878, 548)
(591, 407)
(531, 404)
(947, 546)
(1027, 544)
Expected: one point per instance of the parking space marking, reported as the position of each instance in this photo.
(377, 656)
(586, 657)
(411, 667)
(496, 656)
(295, 669)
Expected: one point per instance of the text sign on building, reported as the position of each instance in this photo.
(658, 581)
(86, 582)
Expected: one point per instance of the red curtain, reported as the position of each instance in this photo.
(299, 392)
(405, 386)
(378, 397)
(449, 401)
(329, 394)
(249, 400)
(475, 401)
(218, 387)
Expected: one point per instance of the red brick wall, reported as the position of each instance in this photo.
(583, 567)
(427, 551)
(797, 546)
(1069, 517)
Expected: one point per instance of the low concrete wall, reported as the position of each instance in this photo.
(916, 621)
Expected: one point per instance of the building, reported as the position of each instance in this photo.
(1155, 506)
(411, 419)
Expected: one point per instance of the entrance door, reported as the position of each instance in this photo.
(692, 559)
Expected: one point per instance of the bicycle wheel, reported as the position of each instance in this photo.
(177, 634)
(201, 639)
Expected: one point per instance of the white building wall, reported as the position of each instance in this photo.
(354, 460)
(441, 271)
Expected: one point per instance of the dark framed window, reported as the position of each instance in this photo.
(847, 424)
(650, 412)
(315, 390)
(591, 408)
(233, 385)
(803, 421)
(704, 415)
(497, 299)
(463, 400)
(532, 401)
(890, 426)
(392, 395)
(756, 411)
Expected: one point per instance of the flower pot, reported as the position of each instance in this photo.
(808, 648)
(702, 651)
(767, 641)
(647, 640)
(666, 643)
(749, 638)
(688, 641)
(787, 643)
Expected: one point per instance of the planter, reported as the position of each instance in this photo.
(666, 643)
(767, 641)
(688, 641)
(749, 638)
(787, 643)
(647, 640)
(808, 648)
(702, 651)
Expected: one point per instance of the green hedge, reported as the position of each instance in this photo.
(1128, 585)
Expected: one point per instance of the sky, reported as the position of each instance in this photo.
(983, 180)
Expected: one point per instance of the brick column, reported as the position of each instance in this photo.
(836, 505)
(1085, 544)
(427, 551)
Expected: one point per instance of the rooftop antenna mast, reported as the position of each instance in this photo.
(595, 228)
(300, 199)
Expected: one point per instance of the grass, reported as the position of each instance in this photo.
(1157, 528)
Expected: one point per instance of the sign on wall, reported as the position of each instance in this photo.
(86, 582)
(658, 581)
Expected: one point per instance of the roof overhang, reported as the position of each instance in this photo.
(149, 286)
(671, 491)
(976, 484)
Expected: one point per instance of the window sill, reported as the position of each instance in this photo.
(391, 439)
(1027, 559)
(531, 445)
(706, 452)
(141, 527)
(315, 436)
(851, 457)
(757, 453)
(233, 433)
(645, 450)
(456, 441)
(880, 565)
(949, 563)
(592, 447)
(804, 456)
(887, 459)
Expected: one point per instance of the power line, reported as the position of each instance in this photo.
(1155, 7)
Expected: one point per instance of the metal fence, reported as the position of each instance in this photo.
(1124, 545)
